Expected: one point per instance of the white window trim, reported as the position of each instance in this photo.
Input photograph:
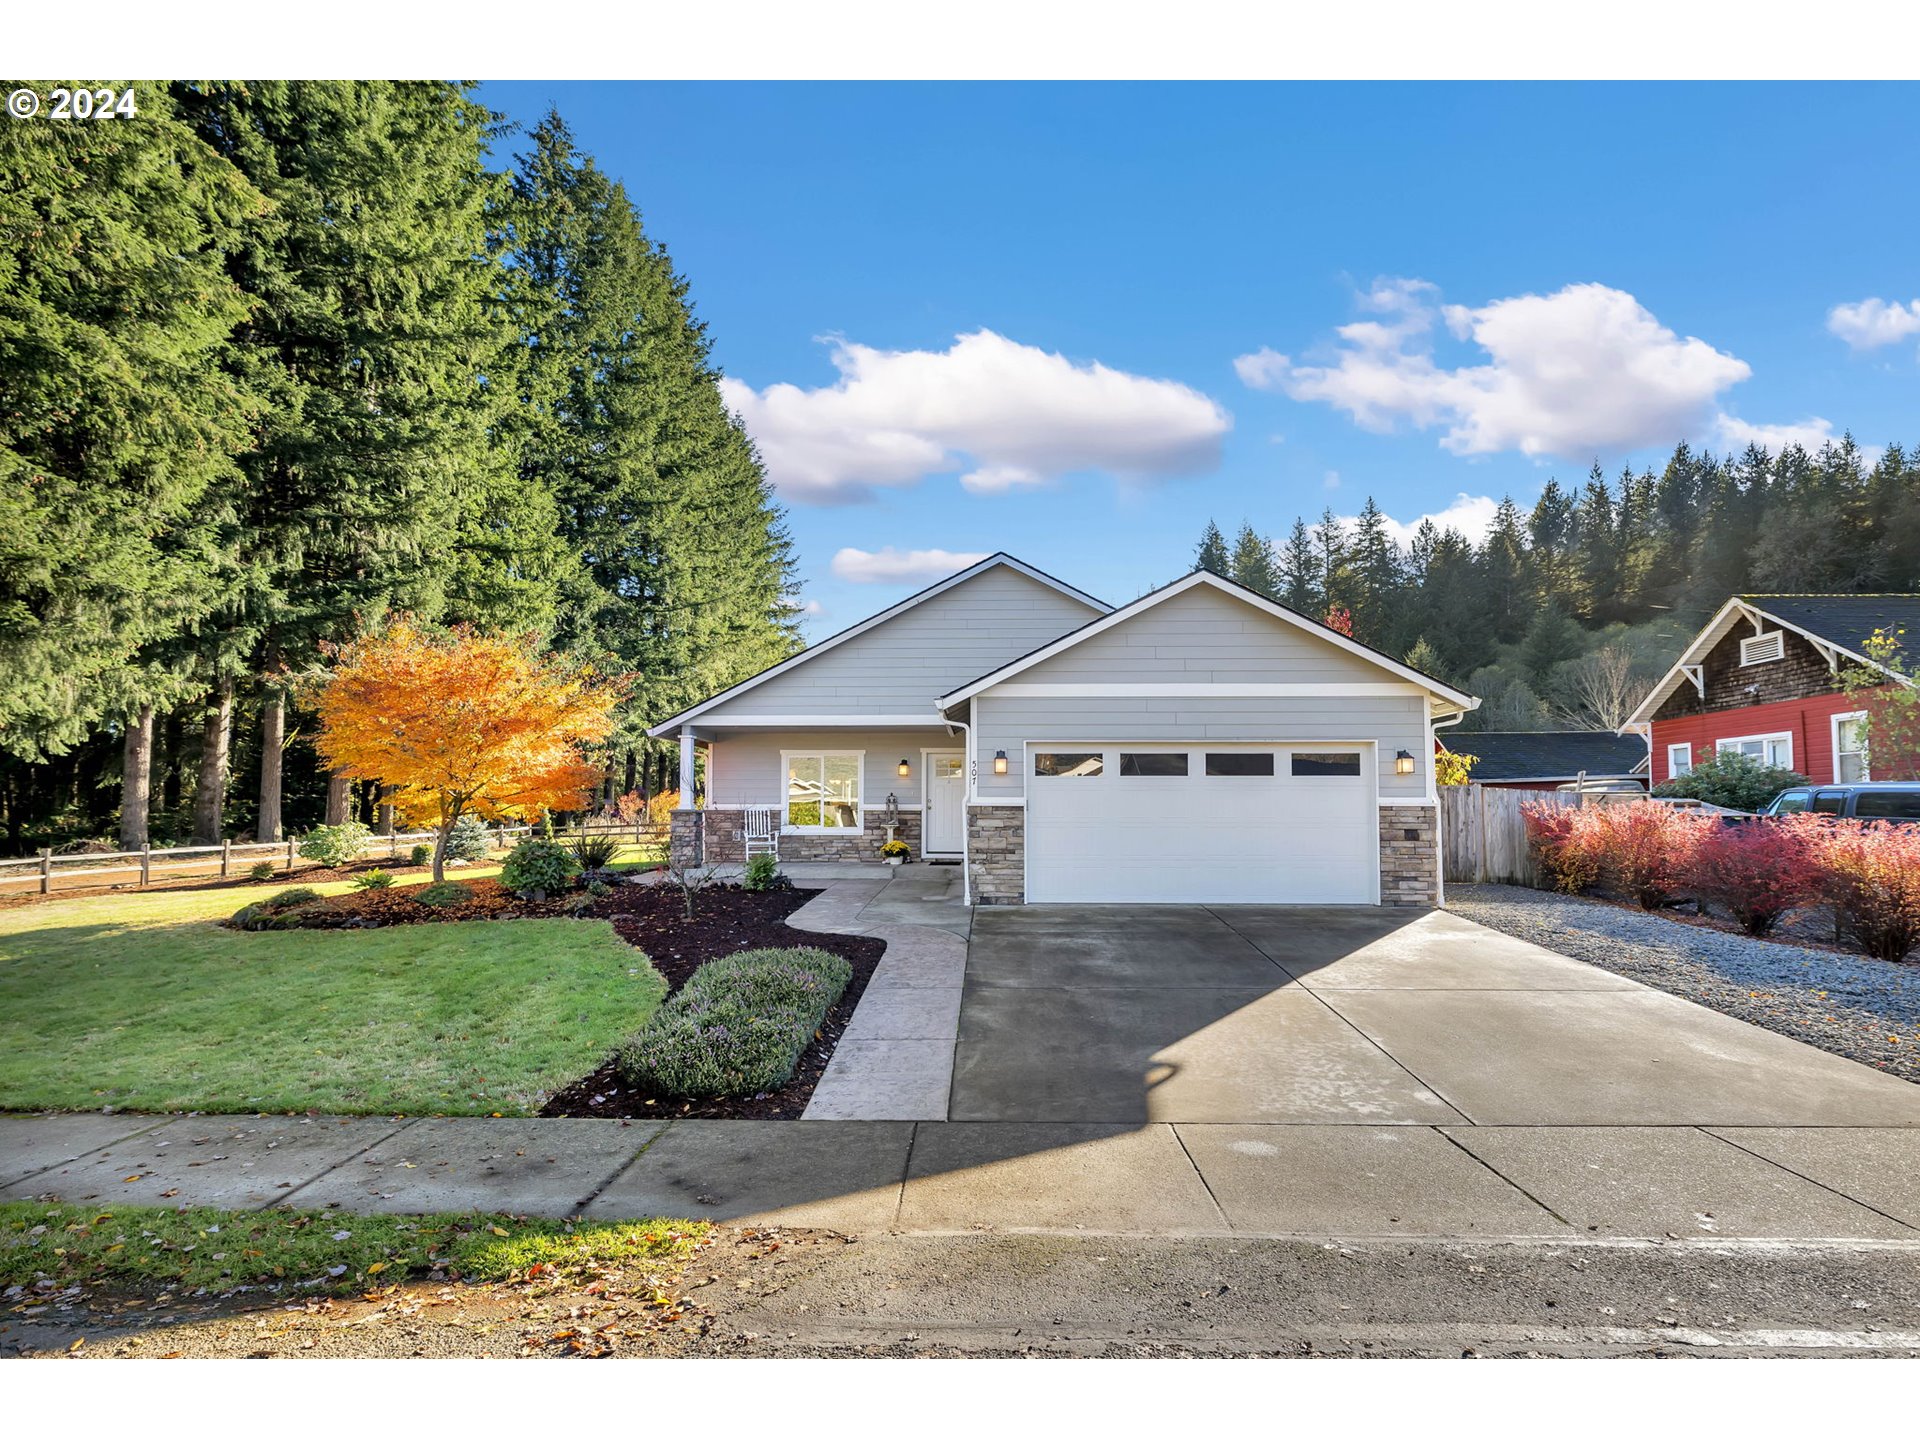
(1748, 641)
(1672, 773)
(859, 796)
(1866, 770)
(1786, 735)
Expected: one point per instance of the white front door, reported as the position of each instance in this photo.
(946, 802)
(1202, 824)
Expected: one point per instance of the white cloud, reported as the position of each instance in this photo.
(891, 566)
(1810, 434)
(1331, 480)
(1869, 324)
(1585, 369)
(1007, 415)
(1471, 515)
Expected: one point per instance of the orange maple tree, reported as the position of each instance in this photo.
(464, 724)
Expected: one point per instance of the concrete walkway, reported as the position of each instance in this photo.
(895, 1061)
(1350, 1181)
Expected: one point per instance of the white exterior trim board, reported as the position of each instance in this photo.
(1125, 690)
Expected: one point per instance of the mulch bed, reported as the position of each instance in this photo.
(396, 905)
(653, 918)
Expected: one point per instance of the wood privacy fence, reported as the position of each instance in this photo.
(47, 872)
(1483, 835)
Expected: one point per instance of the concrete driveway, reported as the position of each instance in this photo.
(1316, 1016)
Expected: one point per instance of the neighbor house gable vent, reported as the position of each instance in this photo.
(1758, 649)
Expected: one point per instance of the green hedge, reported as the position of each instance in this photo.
(738, 1027)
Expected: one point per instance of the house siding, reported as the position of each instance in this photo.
(903, 665)
(1206, 637)
(1799, 674)
(1395, 722)
(745, 768)
(1809, 721)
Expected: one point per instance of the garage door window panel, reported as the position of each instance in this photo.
(1326, 763)
(1068, 764)
(1233, 765)
(1153, 762)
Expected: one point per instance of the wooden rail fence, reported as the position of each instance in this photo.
(185, 862)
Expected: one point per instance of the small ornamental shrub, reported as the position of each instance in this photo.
(896, 850)
(537, 866)
(287, 899)
(334, 845)
(1870, 873)
(596, 852)
(260, 870)
(1640, 849)
(445, 895)
(420, 855)
(1733, 781)
(276, 912)
(1566, 865)
(1756, 872)
(468, 841)
(373, 880)
(597, 888)
(738, 1027)
(761, 872)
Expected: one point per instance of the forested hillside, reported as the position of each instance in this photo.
(1563, 615)
(279, 361)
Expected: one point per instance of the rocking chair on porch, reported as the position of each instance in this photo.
(762, 831)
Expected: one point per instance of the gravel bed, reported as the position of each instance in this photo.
(1867, 1010)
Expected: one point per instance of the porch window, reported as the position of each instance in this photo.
(1850, 748)
(823, 790)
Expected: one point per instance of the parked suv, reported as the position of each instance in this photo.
(1878, 800)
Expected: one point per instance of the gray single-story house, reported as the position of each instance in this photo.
(1551, 759)
(1201, 744)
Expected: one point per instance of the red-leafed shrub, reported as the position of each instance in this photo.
(1870, 873)
(1756, 872)
(1639, 849)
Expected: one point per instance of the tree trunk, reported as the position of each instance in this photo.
(136, 780)
(338, 787)
(273, 739)
(386, 810)
(210, 794)
(171, 746)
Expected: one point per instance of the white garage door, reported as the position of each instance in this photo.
(1200, 824)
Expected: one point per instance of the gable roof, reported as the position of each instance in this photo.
(1240, 592)
(1834, 624)
(1549, 754)
(819, 648)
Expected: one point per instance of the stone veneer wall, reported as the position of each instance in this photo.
(1409, 869)
(997, 851)
(684, 835)
(726, 844)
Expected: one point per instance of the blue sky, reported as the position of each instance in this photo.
(1365, 253)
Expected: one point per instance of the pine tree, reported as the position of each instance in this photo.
(1253, 564)
(1212, 551)
(1302, 582)
(1377, 571)
(121, 419)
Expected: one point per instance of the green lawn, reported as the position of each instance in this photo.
(324, 1251)
(138, 1001)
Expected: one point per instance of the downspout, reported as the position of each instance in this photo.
(966, 807)
(1439, 830)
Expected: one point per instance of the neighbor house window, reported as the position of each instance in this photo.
(1850, 748)
(1326, 763)
(1679, 761)
(1153, 762)
(1774, 750)
(1067, 762)
(823, 790)
(1234, 763)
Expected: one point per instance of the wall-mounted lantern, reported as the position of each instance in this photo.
(1403, 763)
(999, 762)
(905, 769)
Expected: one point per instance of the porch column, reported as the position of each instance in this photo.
(687, 739)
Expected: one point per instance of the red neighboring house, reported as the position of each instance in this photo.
(1763, 678)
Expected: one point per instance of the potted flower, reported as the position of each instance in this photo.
(894, 851)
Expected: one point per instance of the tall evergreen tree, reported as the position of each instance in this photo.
(1302, 581)
(1212, 551)
(1253, 563)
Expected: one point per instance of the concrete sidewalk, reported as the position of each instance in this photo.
(1349, 1181)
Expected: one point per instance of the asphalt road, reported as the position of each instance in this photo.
(813, 1293)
